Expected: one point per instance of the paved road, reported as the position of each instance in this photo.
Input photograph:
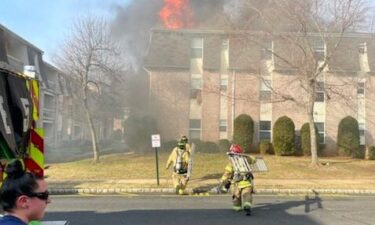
(168, 210)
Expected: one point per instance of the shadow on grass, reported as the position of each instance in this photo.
(336, 162)
(212, 176)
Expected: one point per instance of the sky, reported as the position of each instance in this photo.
(44, 23)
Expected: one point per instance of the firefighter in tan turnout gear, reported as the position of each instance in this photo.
(179, 158)
(241, 180)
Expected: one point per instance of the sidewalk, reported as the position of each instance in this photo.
(262, 186)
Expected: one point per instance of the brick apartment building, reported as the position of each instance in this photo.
(201, 80)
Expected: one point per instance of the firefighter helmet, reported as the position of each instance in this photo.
(235, 148)
(181, 145)
(184, 139)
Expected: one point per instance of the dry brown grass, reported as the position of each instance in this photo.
(284, 172)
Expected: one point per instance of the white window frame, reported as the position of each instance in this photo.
(195, 129)
(264, 130)
(321, 132)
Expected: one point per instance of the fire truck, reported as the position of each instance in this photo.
(20, 137)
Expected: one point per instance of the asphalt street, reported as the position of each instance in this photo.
(175, 210)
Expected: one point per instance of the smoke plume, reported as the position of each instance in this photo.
(132, 24)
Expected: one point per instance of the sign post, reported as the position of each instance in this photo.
(155, 140)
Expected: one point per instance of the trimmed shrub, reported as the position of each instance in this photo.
(138, 131)
(361, 153)
(306, 140)
(371, 153)
(224, 145)
(265, 147)
(283, 136)
(243, 131)
(348, 137)
(209, 147)
(199, 145)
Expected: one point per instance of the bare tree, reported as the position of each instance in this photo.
(90, 58)
(303, 36)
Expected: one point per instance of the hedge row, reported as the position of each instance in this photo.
(201, 146)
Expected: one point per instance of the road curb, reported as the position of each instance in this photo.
(65, 191)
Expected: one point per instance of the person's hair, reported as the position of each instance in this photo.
(18, 182)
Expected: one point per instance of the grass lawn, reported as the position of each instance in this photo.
(284, 172)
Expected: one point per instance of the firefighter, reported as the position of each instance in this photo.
(185, 140)
(179, 157)
(242, 183)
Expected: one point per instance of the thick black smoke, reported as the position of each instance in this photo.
(132, 23)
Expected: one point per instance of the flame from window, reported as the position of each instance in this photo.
(176, 14)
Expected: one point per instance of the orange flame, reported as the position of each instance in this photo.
(176, 14)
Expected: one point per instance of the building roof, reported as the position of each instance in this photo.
(19, 38)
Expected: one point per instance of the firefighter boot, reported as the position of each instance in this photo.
(181, 192)
(177, 188)
(237, 208)
(247, 208)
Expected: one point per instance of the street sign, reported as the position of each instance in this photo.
(155, 140)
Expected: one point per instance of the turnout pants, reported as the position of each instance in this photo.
(179, 182)
(242, 197)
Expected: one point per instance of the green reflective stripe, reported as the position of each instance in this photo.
(35, 222)
(247, 204)
(237, 208)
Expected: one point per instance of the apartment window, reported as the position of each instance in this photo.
(195, 128)
(320, 86)
(224, 84)
(319, 49)
(265, 90)
(362, 48)
(225, 45)
(223, 126)
(194, 93)
(267, 51)
(319, 92)
(196, 53)
(196, 86)
(362, 132)
(265, 130)
(319, 97)
(265, 85)
(195, 134)
(195, 124)
(196, 48)
(265, 95)
(361, 88)
(320, 128)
